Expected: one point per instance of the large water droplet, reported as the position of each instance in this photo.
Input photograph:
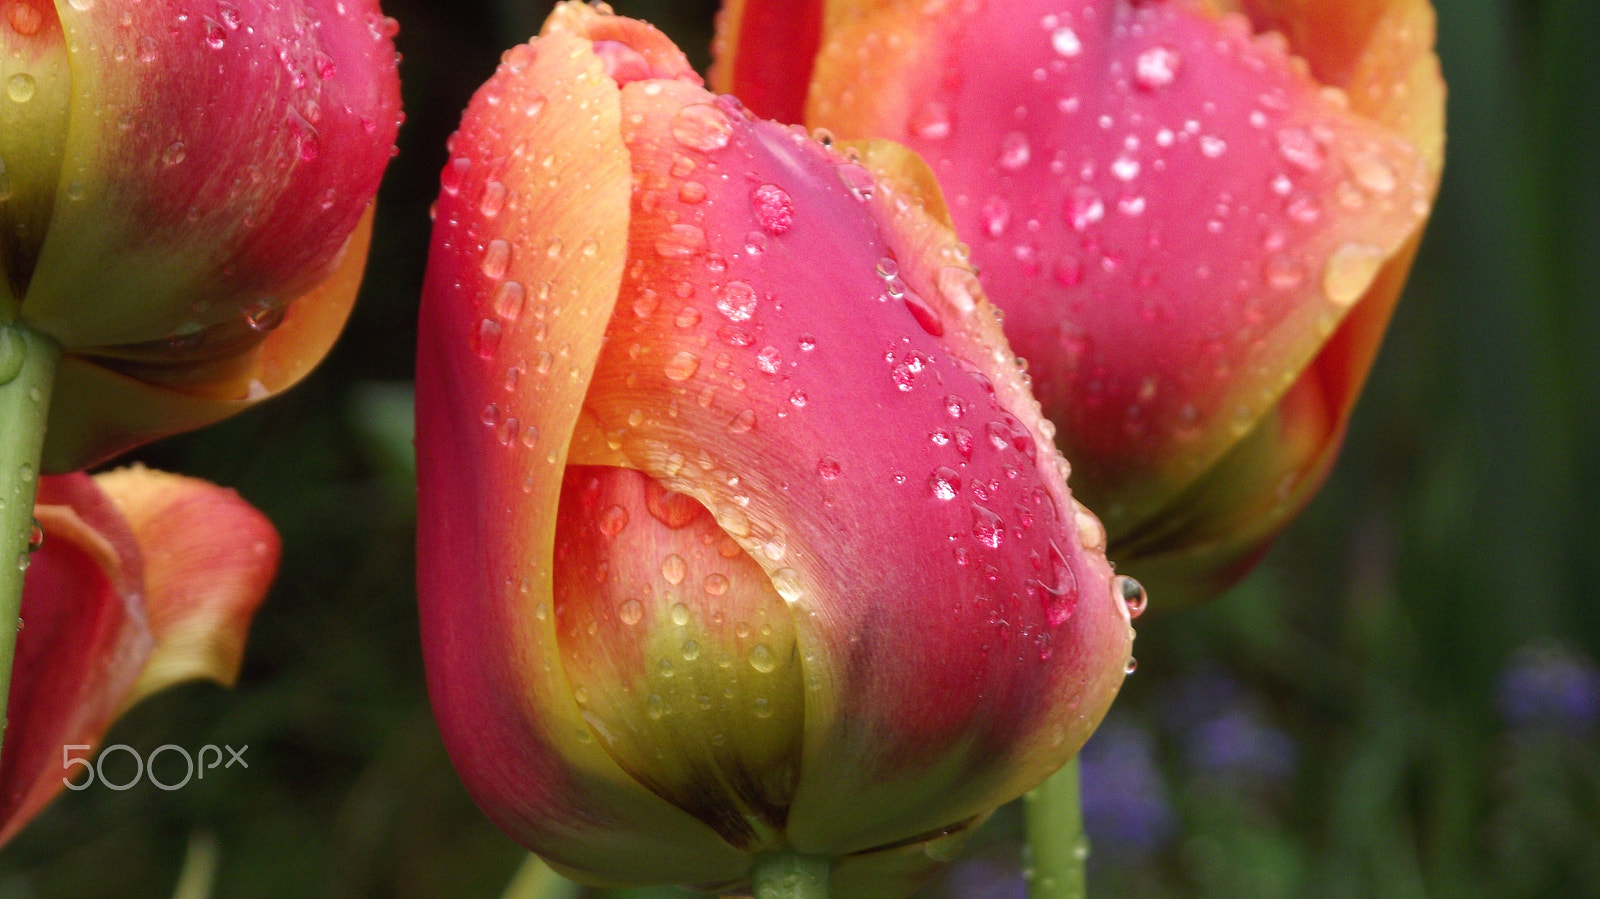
(674, 569)
(945, 483)
(1156, 67)
(20, 87)
(702, 127)
(1065, 42)
(763, 659)
(737, 301)
(1132, 594)
(931, 121)
(612, 520)
(680, 241)
(987, 527)
(630, 612)
(773, 207)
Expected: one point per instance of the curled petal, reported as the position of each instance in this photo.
(519, 291)
(82, 643)
(144, 580)
(209, 558)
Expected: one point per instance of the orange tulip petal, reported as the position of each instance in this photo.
(209, 559)
(81, 646)
(515, 308)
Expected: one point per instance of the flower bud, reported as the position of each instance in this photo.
(1197, 218)
(185, 198)
(738, 528)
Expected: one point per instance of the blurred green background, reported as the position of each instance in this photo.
(1403, 701)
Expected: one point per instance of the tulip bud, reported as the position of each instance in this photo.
(1197, 217)
(185, 195)
(738, 528)
(142, 580)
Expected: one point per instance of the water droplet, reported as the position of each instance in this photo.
(1132, 666)
(1084, 207)
(655, 707)
(493, 200)
(737, 301)
(743, 422)
(1125, 167)
(787, 582)
(508, 300)
(673, 569)
(630, 612)
(945, 483)
(1065, 42)
(1156, 67)
(680, 241)
(1350, 271)
(20, 87)
(612, 520)
(1372, 173)
(1212, 146)
(216, 38)
(773, 207)
(682, 366)
(702, 127)
(679, 614)
(714, 585)
(995, 215)
(762, 658)
(35, 536)
(496, 259)
(1132, 594)
(987, 527)
(828, 468)
(1300, 149)
(1015, 151)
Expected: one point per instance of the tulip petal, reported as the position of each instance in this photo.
(209, 559)
(680, 651)
(102, 408)
(1174, 213)
(763, 54)
(33, 123)
(208, 156)
(520, 287)
(83, 641)
(726, 377)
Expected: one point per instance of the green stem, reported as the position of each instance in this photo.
(28, 362)
(1056, 842)
(782, 874)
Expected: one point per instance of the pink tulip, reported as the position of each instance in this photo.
(144, 580)
(1197, 216)
(739, 529)
(185, 200)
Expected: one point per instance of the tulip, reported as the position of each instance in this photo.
(143, 580)
(741, 541)
(185, 201)
(1197, 217)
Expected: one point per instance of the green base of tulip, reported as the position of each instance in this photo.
(789, 875)
(1056, 843)
(28, 362)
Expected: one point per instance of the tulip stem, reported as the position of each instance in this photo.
(28, 362)
(784, 874)
(1057, 846)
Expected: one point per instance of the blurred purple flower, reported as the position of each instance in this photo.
(1551, 687)
(1235, 745)
(1126, 810)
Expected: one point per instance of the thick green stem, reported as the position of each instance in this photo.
(1056, 843)
(782, 874)
(28, 363)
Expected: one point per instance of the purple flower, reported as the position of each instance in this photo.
(1552, 687)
